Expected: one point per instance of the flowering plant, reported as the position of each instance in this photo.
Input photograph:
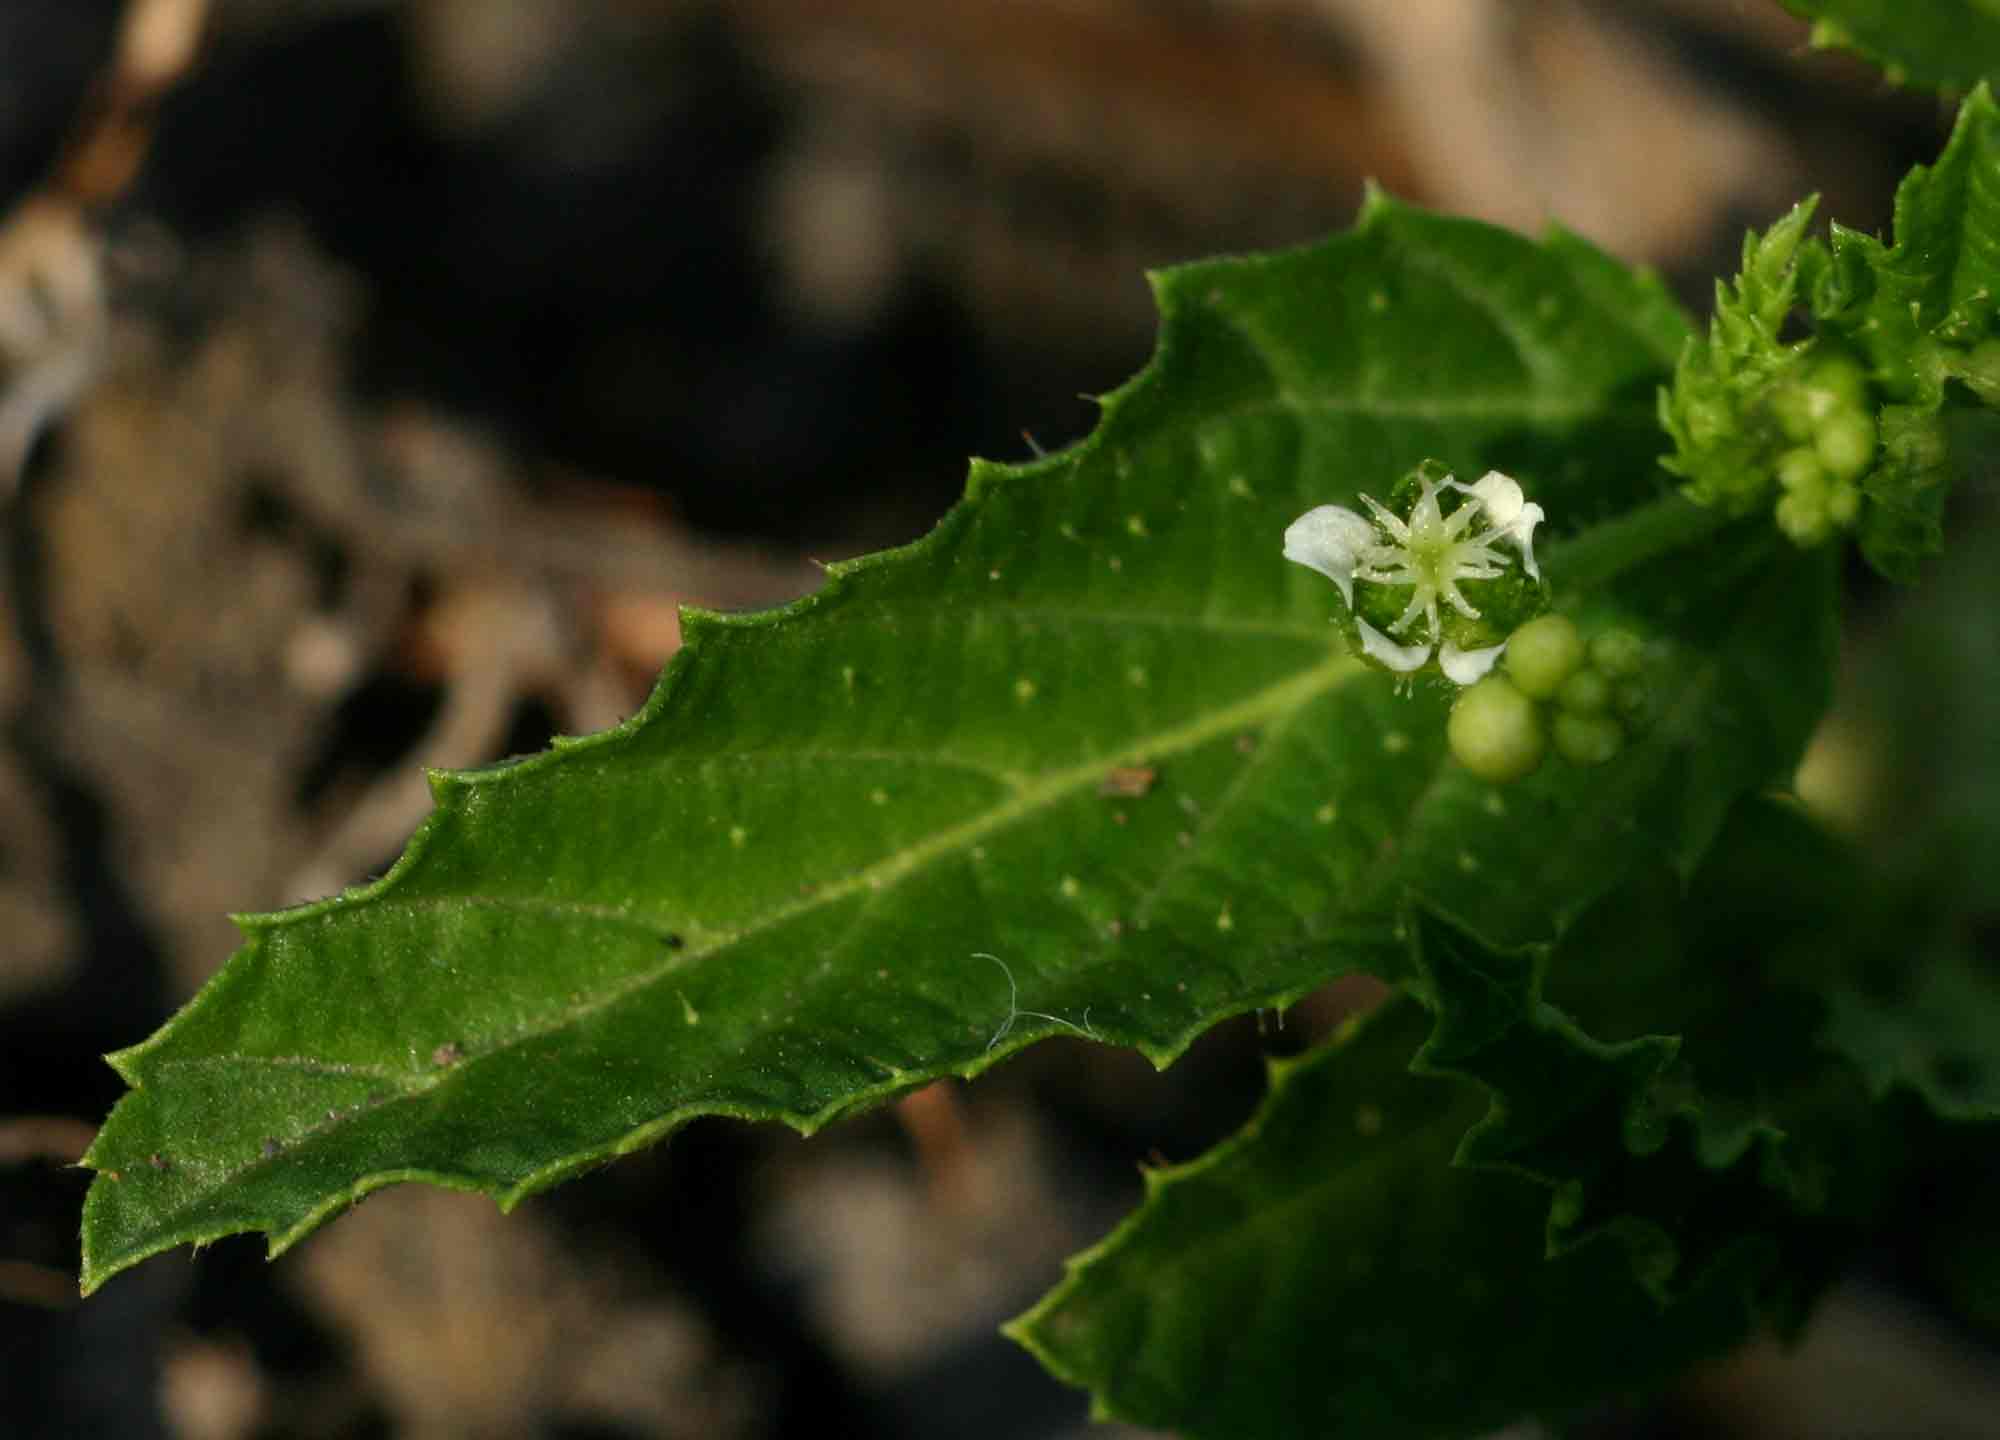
(1626, 1102)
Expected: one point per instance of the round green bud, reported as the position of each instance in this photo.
(1800, 472)
(1791, 407)
(1495, 732)
(1618, 653)
(1845, 443)
(1835, 382)
(1586, 692)
(1634, 701)
(1843, 503)
(1587, 739)
(1803, 518)
(1542, 654)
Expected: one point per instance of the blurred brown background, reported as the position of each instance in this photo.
(375, 381)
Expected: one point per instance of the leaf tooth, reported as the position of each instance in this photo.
(1377, 204)
(698, 624)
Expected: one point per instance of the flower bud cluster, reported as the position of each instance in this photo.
(1586, 698)
(1826, 414)
(1843, 428)
(1809, 423)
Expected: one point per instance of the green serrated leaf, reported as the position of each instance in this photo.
(1951, 44)
(1911, 305)
(1684, 1158)
(1666, 1072)
(1566, 1109)
(1083, 760)
(1327, 1272)
(1921, 312)
(1932, 1030)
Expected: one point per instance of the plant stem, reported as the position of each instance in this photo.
(1606, 551)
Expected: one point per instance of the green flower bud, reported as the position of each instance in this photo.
(1618, 653)
(1791, 408)
(1843, 504)
(1845, 443)
(1586, 692)
(1804, 520)
(1587, 739)
(1634, 701)
(1542, 654)
(1800, 472)
(1831, 384)
(1835, 381)
(1495, 732)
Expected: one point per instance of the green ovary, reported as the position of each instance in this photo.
(1495, 731)
(1542, 654)
(1587, 739)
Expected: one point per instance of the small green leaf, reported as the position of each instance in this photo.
(1756, 1122)
(1567, 1110)
(1087, 759)
(1911, 306)
(1950, 44)
(1721, 1115)
(1327, 1272)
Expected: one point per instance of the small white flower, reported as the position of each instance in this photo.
(1431, 553)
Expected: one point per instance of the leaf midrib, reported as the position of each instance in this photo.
(1276, 701)
(1281, 699)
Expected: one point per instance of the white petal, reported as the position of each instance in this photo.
(1500, 496)
(1522, 533)
(1463, 667)
(1401, 658)
(1330, 539)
